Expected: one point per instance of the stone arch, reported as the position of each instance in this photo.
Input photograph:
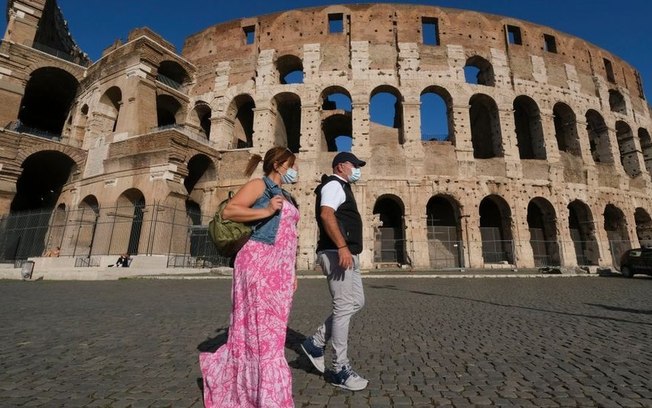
(108, 110)
(172, 74)
(287, 125)
(496, 230)
(128, 223)
(617, 102)
(390, 235)
(45, 105)
(241, 113)
(86, 216)
(485, 127)
(168, 110)
(566, 129)
(646, 147)
(382, 100)
(582, 230)
(437, 114)
(45, 172)
(336, 119)
(542, 224)
(479, 71)
(615, 226)
(201, 118)
(529, 131)
(201, 169)
(628, 150)
(445, 244)
(643, 226)
(598, 137)
(290, 69)
(57, 229)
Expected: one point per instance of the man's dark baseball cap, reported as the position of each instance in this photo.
(343, 157)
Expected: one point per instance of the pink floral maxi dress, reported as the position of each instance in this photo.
(250, 370)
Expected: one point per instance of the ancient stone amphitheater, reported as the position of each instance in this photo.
(540, 153)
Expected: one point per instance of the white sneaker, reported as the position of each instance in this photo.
(315, 354)
(349, 380)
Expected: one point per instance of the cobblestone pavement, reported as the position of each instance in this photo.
(421, 342)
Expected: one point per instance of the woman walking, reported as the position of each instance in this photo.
(250, 370)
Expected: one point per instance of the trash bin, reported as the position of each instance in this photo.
(26, 271)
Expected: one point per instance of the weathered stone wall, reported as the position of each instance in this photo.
(115, 116)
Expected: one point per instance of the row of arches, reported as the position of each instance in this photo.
(449, 240)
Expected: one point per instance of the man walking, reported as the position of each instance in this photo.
(340, 242)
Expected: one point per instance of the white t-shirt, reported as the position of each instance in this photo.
(332, 194)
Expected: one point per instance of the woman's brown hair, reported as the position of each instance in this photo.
(274, 155)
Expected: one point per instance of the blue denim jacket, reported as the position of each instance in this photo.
(265, 229)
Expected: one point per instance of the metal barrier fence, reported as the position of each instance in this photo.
(87, 232)
(182, 236)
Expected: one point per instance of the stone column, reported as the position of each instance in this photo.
(461, 137)
(566, 244)
(413, 148)
(263, 136)
(361, 126)
(513, 167)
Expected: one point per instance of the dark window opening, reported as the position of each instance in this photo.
(581, 226)
(336, 23)
(627, 149)
(598, 137)
(200, 169)
(445, 246)
(389, 245)
(541, 221)
(250, 34)
(241, 111)
(529, 130)
(646, 147)
(287, 129)
(167, 108)
(566, 129)
(617, 102)
(549, 43)
(609, 69)
(430, 31)
(290, 69)
(495, 230)
(514, 35)
(478, 71)
(643, 226)
(172, 74)
(485, 127)
(616, 228)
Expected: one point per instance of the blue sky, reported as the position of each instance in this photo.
(621, 27)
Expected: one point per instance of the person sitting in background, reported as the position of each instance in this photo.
(123, 261)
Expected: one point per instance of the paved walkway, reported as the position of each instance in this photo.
(570, 341)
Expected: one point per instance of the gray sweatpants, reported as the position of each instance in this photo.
(348, 297)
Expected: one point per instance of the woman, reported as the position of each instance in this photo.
(250, 370)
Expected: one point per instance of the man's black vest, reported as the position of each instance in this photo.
(347, 215)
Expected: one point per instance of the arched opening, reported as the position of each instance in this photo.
(32, 209)
(43, 177)
(445, 244)
(616, 228)
(390, 236)
(88, 213)
(200, 169)
(45, 105)
(529, 132)
(128, 222)
(172, 74)
(582, 232)
(566, 129)
(287, 126)
(478, 71)
(197, 234)
(627, 148)
(643, 227)
(290, 69)
(82, 122)
(336, 120)
(646, 147)
(617, 102)
(598, 137)
(496, 230)
(485, 127)
(241, 112)
(109, 110)
(436, 114)
(386, 115)
(202, 115)
(542, 223)
(167, 108)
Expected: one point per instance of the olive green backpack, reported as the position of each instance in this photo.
(228, 236)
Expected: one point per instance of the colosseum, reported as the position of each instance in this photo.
(540, 153)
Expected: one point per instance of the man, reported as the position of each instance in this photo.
(340, 242)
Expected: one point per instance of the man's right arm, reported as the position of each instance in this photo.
(332, 228)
